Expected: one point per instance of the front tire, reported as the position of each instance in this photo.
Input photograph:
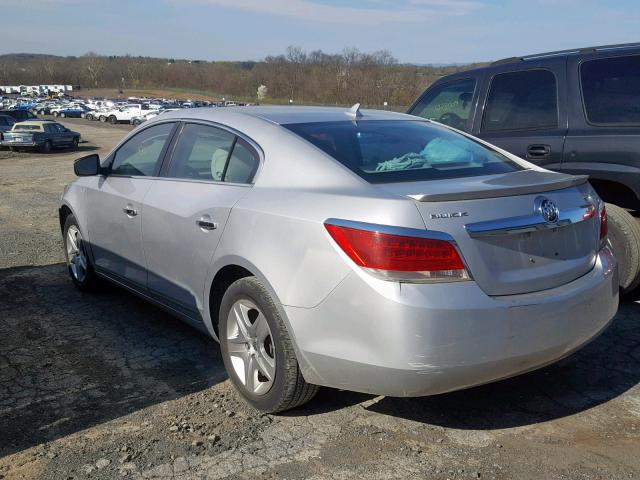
(624, 234)
(113, 120)
(102, 118)
(46, 147)
(257, 350)
(78, 264)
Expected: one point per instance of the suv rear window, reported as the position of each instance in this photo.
(383, 151)
(522, 100)
(611, 90)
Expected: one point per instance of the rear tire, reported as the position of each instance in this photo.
(63, 115)
(624, 234)
(102, 118)
(113, 120)
(46, 147)
(287, 388)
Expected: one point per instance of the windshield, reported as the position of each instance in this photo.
(383, 151)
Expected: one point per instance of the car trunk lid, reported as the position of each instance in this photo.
(499, 225)
(17, 137)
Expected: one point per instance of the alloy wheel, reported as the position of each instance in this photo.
(250, 347)
(76, 257)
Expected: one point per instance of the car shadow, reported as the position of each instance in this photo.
(601, 371)
(71, 360)
(80, 149)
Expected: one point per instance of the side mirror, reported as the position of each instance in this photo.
(87, 166)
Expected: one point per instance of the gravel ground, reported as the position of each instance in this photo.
(107, 386)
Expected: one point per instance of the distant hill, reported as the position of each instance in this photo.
(304, 77)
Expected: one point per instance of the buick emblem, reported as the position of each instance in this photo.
(547, 209)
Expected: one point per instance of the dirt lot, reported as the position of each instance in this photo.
(106, 386)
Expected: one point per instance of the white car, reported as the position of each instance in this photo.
(124, 114)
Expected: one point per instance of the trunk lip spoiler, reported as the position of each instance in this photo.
(565, 181)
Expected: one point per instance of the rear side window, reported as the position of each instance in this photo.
(611, 90)
(449, 103)
(204, 152)
(522, 100)
(242, 164)
(201, 153)
(382, 151)
(140, 155)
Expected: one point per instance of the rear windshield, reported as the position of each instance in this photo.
(17, 126)
(383, 151)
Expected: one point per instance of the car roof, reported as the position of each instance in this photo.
(283, 115)
(34, 122)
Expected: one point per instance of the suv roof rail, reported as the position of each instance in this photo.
(566, 52)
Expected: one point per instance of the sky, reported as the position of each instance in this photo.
(414, 31)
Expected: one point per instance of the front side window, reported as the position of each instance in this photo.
(201, 153)
(403, 150)
(522, 100)
(449, 103)
(611, 90)
(140, 155)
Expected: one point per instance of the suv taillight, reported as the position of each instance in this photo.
(400, 257)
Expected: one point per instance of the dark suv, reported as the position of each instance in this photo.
(19, 115)
(575, 111)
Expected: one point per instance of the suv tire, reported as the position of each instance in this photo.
(624, 234)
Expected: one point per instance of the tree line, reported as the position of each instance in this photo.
(305, 77)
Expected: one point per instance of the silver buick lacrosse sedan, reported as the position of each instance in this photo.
(363, 250)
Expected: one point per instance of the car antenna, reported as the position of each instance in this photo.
(354, 112)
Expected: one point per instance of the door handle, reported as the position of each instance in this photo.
(538, 151)
(130, 211)
(206, 224)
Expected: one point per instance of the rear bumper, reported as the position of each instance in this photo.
(380, 337)
(5, 143)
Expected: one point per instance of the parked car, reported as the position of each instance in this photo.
(45, 108)
(124, 114)
(43, 135)
(6, 122)
(19, 115)
(74, 111)
(137, 120)
(371, 251)
(575, 111)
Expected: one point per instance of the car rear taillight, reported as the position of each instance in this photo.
(604, 226)
(400, 257)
